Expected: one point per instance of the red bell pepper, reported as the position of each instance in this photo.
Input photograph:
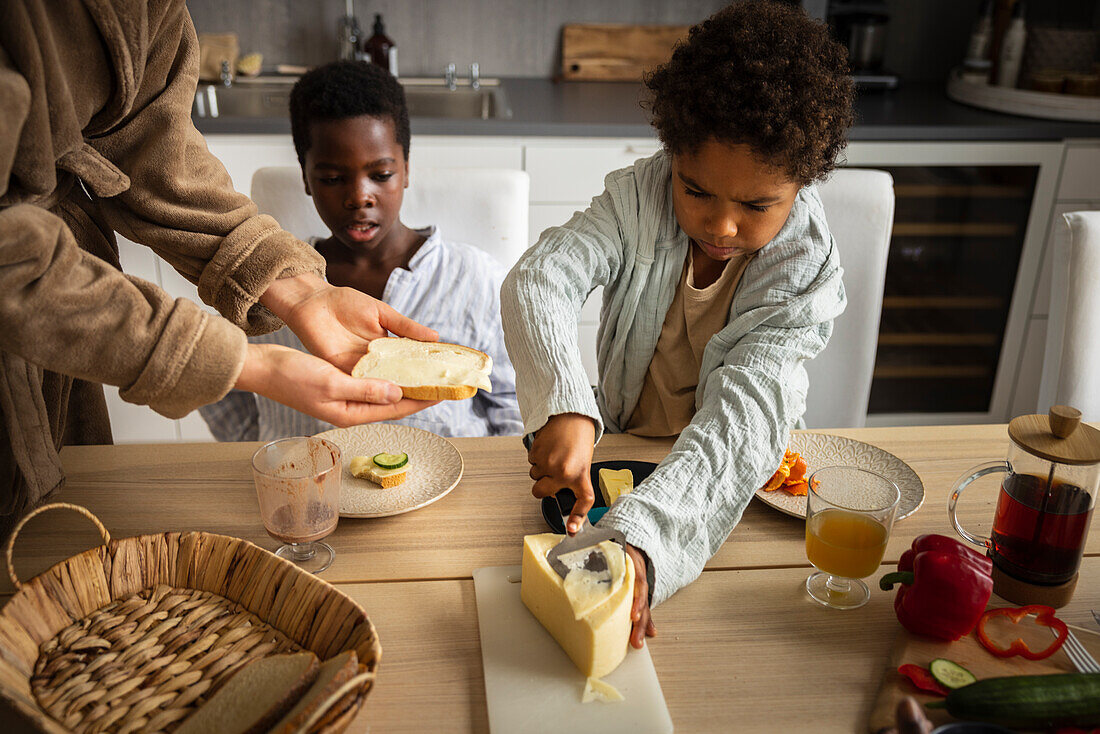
(944, 587)
(922, 679)
(1044, 617)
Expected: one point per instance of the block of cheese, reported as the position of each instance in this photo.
(615, 482)
(364, 467)
(427, 370)
(593, 627)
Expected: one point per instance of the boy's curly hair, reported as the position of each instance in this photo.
(346, 89)
(761, 74)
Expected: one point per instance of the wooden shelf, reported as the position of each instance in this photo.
(970, 191)
(954, 229)
(918, 339)
(932, 371)
(981, 302)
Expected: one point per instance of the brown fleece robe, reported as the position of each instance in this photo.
(96, 138)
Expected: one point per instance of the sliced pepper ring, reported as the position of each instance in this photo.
(1044, 617)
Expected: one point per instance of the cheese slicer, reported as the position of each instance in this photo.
(587, 537)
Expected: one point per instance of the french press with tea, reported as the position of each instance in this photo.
(1045, 503)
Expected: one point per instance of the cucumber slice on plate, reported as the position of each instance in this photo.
(950, 674)
(390, 461)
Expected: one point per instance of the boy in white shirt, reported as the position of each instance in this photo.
(350, 125)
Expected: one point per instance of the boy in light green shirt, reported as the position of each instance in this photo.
(751, 110)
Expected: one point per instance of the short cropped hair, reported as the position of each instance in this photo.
(346, 89)
(761, 74)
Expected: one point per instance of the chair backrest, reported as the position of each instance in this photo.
(484, 207)
(859, 206)
(1071, 364)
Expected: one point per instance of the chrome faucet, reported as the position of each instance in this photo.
(449, 77)
(475, 76)
(348, 33)
(227, 77)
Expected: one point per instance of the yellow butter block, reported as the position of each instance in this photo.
(593, 627)
(614, 483)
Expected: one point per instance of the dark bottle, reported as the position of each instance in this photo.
(380, 48)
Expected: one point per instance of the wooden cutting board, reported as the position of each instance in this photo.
(532, 686)
(613, 52)
(967, 652)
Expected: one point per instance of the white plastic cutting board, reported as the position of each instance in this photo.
(532, 686)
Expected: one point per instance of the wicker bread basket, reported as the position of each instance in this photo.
(135, 634)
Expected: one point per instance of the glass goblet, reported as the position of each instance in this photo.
(298, 487)
(849, 513)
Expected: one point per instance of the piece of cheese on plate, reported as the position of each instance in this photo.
(614, 483)
(590, 619)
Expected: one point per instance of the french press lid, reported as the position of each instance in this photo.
(1058, 436)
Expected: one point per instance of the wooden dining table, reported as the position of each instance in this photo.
(743, 648)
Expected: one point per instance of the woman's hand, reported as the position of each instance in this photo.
(313, 386)
(640, 619)
(560, 458)
(336, 324)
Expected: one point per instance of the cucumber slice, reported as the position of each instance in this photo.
(950, 674)
(391, 461)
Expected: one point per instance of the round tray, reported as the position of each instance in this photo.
(1023, 102)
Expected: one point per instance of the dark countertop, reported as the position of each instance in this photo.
(541, 107)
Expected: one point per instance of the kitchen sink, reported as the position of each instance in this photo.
(270, 97)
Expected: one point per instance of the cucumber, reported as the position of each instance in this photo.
(950, 674)
(1064, 699)
(391, 461)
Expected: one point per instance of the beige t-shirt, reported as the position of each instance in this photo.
(667, 402)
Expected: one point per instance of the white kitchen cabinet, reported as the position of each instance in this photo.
(572, 171)
(242, 155)
(1080, 180)
(428, 151)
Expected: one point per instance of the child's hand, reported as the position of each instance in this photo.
(561, 457)
(641, 622)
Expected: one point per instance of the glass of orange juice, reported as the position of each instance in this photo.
(849, 512)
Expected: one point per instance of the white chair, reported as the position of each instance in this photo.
(484, 207)
(1071, 364)
(859, 206)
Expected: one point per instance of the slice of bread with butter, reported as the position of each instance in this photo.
(364, 467)
(427, 370)
(587, 613)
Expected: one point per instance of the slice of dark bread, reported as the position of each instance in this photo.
(257, 696)
(335, 671)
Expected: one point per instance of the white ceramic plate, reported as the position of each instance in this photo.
(821, 450)
(435, 466)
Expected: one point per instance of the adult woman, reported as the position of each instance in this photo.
(96, 137)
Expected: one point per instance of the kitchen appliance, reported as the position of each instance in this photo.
(862, 27)
(1052, 475)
